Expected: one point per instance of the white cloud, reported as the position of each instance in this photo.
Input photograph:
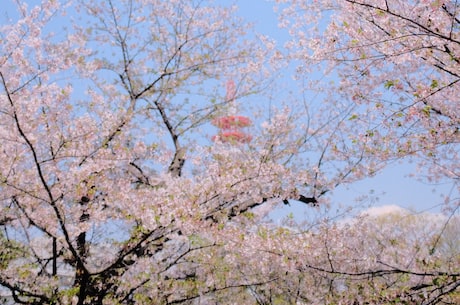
(384, 210)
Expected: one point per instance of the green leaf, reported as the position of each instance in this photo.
(197, 241)
(388, 84)
(427, 110)
(353, 117)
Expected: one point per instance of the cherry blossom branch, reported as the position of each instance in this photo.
(37, 164)
(409, 20)
(23, 296)
(217, 289)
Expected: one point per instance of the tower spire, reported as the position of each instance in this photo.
(231, 127)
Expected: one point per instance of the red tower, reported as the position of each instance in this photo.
(232, 126)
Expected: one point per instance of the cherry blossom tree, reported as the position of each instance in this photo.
(112, 191)
(394, 64)
(396, 61)
(391, 258)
